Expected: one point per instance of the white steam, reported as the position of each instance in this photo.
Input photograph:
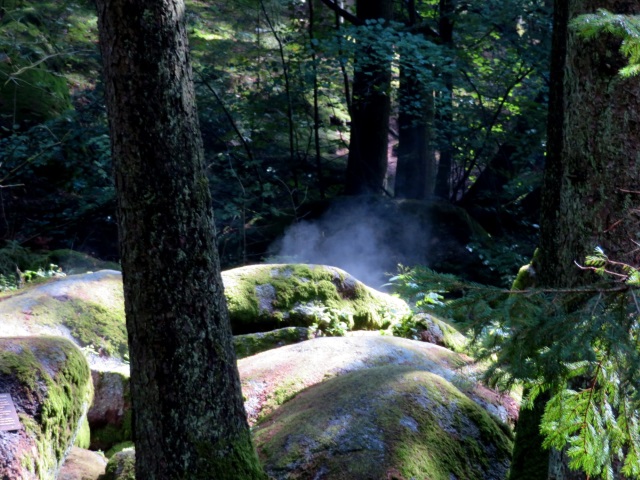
(366, 240)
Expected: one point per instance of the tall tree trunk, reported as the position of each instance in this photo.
(592, 172)
(370, 108)
(416, 170)
(316, 93)
(445, 115)
(189, 419)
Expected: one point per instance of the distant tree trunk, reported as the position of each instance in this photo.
(591, 178)
(316, 107)
(189, 419)
(370, 108)
(445, 115)
(416, 169)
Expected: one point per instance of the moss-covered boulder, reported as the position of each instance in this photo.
(271, 378)
(49, 382)
(87, 309)
(370, 406)
(121, 466)
(252, 343)
(385, 422)
(432, 329)
(269, 296)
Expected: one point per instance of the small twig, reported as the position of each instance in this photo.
(595, 269)
(615, 224)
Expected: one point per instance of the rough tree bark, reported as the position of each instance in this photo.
(189, 419)
(370, 109)
(591, 182)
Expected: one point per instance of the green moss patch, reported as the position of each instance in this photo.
(250, 344)
(83, 438)
(50, 383)
(429, 328)
(118, 448)
(382, 422)
(111, 435)
(265, 297)
(121, 466)
(93, 325)
(88, 308)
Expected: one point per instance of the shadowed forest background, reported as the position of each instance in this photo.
(454, 96)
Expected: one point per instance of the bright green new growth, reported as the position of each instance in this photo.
(553, 339)
(626, 27)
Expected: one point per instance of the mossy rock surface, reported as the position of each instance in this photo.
(121, 466)
(269, 296)
(49, 382)
(385, 422)
(367, 406)
(88, 309)
(432, 329)
(252, 343)
(272, 378)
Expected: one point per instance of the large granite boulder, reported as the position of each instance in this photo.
(271, 378)
(89, 309)
(375, 407)
(269, 296)
(86, 309)
(385, 422)
(49, 383)
(369, 406)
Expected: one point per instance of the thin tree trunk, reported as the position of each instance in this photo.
(316, 108)
(189, 419)
(445, 115)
